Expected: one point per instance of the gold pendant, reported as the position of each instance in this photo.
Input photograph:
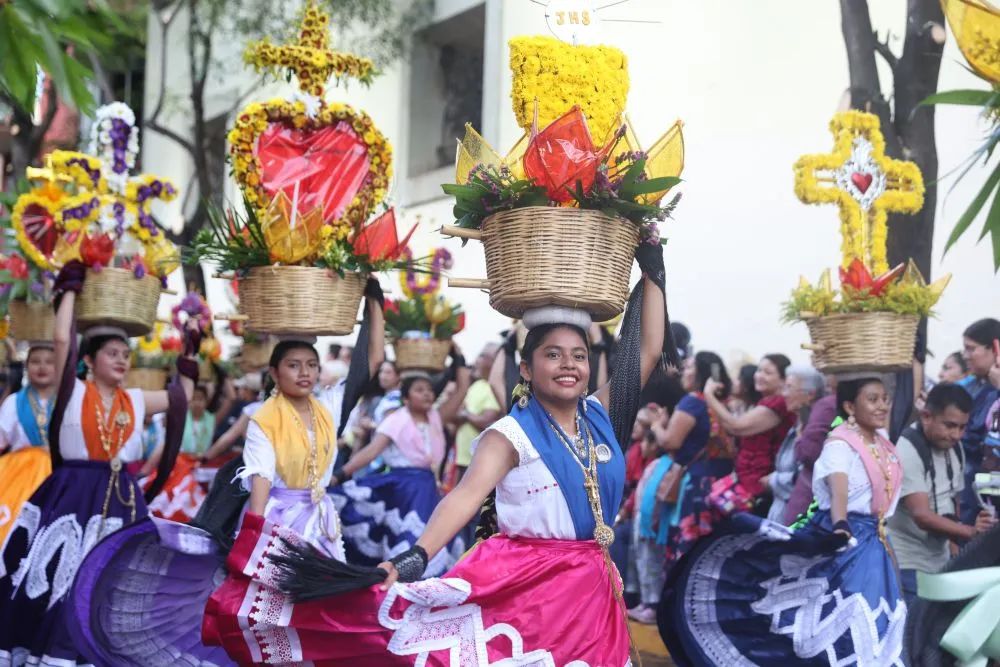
(122, 419)
(41, 420)
(116, 464)
(604, 535)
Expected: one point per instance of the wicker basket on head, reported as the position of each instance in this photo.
(254, 356)
(878, 342)
(548, 256)
(302, 300)
(147, 379)
(31, 321)
(423, 354)
(115, 297)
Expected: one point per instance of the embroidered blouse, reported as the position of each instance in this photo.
(11, 432)
(838, 456)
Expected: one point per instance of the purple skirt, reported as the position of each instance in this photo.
(140, 596)
(69, 513)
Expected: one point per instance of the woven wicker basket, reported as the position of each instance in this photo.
(147, 379)
(115, 297)
(31, 321)
(543, 256)
(425, 354)
(862, 342)
(254, 356)
(300, 300)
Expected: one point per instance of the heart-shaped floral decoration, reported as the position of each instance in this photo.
(43, 215)
(335, 159)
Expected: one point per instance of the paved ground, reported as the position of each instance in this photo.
(651, 649)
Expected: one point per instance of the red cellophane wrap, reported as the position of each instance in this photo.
(561, 155)
(329, 165)
(379, 241)
(858, 276)
(522, 600)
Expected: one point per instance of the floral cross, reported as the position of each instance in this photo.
(309, 57)
(864, 183)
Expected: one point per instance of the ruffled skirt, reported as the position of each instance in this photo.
(182, 494)
(754, 593)
(526, 601)
(80, 503)
(21, 473)
(384, 514)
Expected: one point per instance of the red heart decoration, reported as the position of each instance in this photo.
(40, 228)
(861, 181)
(329, 164)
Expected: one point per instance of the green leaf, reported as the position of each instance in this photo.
(975, 98)
(977, 204)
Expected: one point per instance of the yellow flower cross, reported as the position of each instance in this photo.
(309, 57)
(864, 183)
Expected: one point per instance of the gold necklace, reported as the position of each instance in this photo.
(886, 470)
(604, 535)
(313, 481)
(114, 482)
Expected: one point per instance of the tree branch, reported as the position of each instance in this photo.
(882, 48)
(172, 135)
(164, 27)
(856, 25)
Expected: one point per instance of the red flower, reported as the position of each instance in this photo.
(460, 323)
(18, 267)
(858, 277)
(391, 307)
(561, 155)
(97, 250)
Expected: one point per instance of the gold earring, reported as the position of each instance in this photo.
(852, 422)
(522, 393)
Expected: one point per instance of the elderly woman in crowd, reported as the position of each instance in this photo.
(803, 387)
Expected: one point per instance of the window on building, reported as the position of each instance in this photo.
(446, 88)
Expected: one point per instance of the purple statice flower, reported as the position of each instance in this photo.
(37, 288)
(139, 270)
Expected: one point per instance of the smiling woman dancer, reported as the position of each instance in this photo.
(755, 594)
(545, 583)
(24, 434)
(96, 429)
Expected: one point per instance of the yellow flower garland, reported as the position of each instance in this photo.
(560, 76)
(254, 119)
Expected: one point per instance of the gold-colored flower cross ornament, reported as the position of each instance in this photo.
(310, 57)
(865, 183)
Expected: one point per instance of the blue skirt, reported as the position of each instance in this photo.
(384, 514)
(69, 513)
(753, 593)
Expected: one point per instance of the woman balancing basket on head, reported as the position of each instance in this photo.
(558, 472)
(826, 594)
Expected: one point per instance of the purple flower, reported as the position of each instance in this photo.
(139, 271)
(37, 287)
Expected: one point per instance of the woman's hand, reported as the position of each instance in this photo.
(391, 575)
(713, 387)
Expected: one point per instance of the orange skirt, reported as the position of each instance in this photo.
(21, 473)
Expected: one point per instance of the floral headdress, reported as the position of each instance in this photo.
(866, 185)
(585, 155)
(313, 172)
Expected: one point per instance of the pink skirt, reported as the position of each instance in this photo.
(533, 601)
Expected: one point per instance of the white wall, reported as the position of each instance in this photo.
(756, 82)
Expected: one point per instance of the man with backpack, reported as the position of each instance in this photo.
(932, 458)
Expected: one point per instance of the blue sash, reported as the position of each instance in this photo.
(26, 416)
(560, 462)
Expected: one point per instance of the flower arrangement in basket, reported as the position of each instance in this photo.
(153, 355)
(314, 175)
(422, 324)
(870, 323)
(581, 181)
(194, 307)
(89, 207)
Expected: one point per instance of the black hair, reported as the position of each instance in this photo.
(408, 382)
(282, 349)
(946, 395)
(747, 384)
(36, 348)
(849, 390)
(535, 337)
(334, 350)
(780, 361)
(202, 388)
(983, 331)
(703, 362)
(94, 344)
(682, 339)
(958, 359)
